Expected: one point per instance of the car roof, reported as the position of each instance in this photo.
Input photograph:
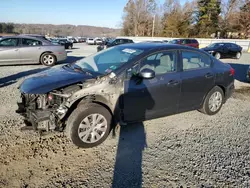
(123, 38)
(26, 37)
(156, 45)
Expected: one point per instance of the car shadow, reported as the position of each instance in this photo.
(132, 138)
(71, 59)
(12, 79)
(240, 71)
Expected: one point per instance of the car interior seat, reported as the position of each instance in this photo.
(185, 63)
(194, 63)
(166, 65)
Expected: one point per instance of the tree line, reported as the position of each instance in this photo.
(58, 30)
(195, 18)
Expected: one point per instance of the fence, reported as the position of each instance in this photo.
(245, 44)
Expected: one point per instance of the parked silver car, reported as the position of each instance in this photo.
(28, 50)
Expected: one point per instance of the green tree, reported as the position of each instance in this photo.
(208, 17)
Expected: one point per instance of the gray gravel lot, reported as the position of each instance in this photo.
(184, 150)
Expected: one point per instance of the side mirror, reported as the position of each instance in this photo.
(147, 73)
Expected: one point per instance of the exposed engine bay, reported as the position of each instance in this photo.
(44, 111)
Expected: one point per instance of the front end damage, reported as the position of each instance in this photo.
(43, 112)
(49, 112)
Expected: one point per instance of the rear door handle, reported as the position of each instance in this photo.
(16, 49)
(209, 75)
(173, 82)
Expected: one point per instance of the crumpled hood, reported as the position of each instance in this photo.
(51, 79)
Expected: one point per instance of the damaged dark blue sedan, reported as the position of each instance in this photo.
(127, 83)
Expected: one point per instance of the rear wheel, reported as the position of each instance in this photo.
(217, 55)
(48, 59)
(213, 101)
(238, 55)
(89, 125)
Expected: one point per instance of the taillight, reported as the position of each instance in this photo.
(232, 71)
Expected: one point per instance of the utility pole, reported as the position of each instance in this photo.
(153, 29)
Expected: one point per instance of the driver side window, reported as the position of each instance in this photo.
(161, 62)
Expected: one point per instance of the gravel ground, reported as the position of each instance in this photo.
(184, 150)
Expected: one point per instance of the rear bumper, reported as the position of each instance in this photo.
(61, 56)
(229, 91)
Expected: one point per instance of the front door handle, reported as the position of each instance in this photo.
(173, 82)
(209, 75)
(16, 49)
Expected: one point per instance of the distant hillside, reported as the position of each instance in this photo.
(62, 30)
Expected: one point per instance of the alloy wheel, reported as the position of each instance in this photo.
(48, 59)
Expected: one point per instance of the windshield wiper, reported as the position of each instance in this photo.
(76, 67)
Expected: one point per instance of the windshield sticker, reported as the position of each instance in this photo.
(130, 51)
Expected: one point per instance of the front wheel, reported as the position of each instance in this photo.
(48, 59)
(89, 125)
(213, 101)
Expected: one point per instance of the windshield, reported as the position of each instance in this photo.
(173, 41)
(108, 60)
(215, 45)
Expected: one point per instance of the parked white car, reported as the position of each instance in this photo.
(90, 41)
(98, 41)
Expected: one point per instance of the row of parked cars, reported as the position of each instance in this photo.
(39, 49)
(218, 50)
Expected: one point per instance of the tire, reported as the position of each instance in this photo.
(48, 59)
(206, 108)
(238, 55)
(70, 47)
(81, 114)
(217, 55)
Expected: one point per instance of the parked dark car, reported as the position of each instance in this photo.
(248, 74)
(126, 83)
(153, 41)
(186, 42)
(222, 50)
(64, 42)
(114, 42)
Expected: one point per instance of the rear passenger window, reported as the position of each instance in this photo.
(31, 42)
(194, 60)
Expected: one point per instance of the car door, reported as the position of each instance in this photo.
(9, 51)
(197, 79)
(234, 50)
(224, 50)
(145, 99)
(30, 50)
